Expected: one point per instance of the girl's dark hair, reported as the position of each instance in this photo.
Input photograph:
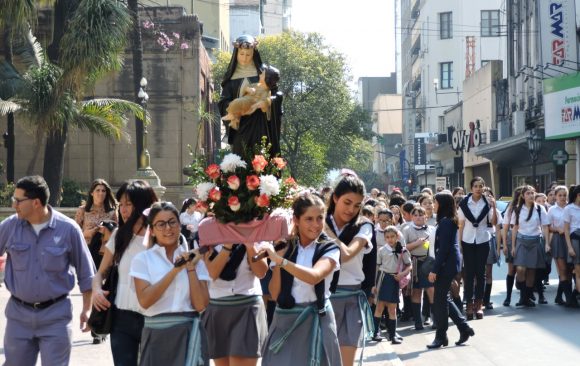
(304, 201)
(475, 180)
(398, 200)
(457, 189)
(110, 201)
(156, 208)
(400, 214)
(141, 196)
(423, 197)
(385, 211)
(447, 208)
(188, 202)
(347, 184)
(407, 207)
(574, 192)
(521, 202)
(272, 77)
(234, 63)
(488, 190)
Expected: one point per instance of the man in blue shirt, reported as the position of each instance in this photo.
(42, 245)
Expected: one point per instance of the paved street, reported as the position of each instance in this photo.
(508, 336)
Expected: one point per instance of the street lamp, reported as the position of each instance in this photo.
(534, 147)
(145, 158)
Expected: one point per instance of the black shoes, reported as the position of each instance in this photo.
(438, 343)
(542, 300)
(464, 335)
(489, 306)
(377, 337)
(99, 339)
(507, 301)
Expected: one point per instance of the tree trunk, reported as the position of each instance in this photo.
(137, 52)
(38, 135)
(53, 168)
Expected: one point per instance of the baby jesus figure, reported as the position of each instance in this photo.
(253, 97)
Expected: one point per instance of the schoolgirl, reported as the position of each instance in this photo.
(302, 273)
(426, 201)
(416, 237)
(235, 320)
(506, 235)
(190, 218)
(572, 234)
(494, 251)
(353, 236)
(384, 220)
(558, 244)
(125, 243)
(393, 263)
(529, 242)
(475, 211)
(172, 296)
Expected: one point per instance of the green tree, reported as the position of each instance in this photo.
(51, 91)
(321, 119)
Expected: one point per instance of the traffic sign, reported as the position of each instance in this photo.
(560, 157)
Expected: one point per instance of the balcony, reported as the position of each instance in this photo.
(415, 50)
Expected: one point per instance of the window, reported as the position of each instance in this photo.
(484, 62)
(446, 74)
(490, 23)
(445, 25)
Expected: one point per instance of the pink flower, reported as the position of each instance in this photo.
(290, 181)
(215, 194)
(234, 203)
(259, 163)
(175, 35)
(262, 200)
(253, 182)
(148, 24)
(233, 182)
(201, 206)
(279, 162)
(184, 46)
(213, 171)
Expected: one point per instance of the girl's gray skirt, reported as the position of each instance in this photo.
(530, 252)
(575, 239)
(299, 336)
(354, 318)
(235, 326)
(173, 339)
(492, 257)
(559, 247)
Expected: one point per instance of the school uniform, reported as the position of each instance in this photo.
(530, 249)
(303, 330)
(235, 319)
(506, 222)
(172, 334)
(354, 319)
(492, 257)
(572, 217)
(410, 234)
(389, 264)
(558, 244)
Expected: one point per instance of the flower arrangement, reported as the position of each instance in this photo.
(238, 191)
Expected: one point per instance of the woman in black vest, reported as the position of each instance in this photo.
(353, 234)
(300, 285)
(447, 265)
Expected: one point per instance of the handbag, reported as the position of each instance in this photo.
(427, 266)
(403, 280)
(101, 322)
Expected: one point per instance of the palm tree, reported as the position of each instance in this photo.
(52, 94)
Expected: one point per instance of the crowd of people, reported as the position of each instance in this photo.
(353, 265)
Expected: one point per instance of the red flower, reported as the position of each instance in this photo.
(279, 162)
(263, 200)
(233, 182)
(259, 163)
(213, 171)
(201, 206)
(234, 203)
(290, 182)
(253, 182)
(215, 194)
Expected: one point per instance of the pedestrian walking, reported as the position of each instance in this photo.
(506, 233)
(572, 234)
(42, 244)
(447, 265)
(303, 330)
(559, 246)
(354, 319)
(494, 253)
(125, 243)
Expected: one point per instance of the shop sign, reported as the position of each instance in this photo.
(464, 140)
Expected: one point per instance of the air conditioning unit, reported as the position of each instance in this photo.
(503, 129)
(493, 135)
(519, 120)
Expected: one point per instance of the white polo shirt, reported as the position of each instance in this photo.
(572, 216)
(245, 283)
(304, 292)
(556, 217)
(351, 272)
(152, 265)
(479, 234)
(533, 227)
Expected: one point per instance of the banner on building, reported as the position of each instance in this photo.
(420, 151)
(404, 166)
(562, 107)
(558, 32)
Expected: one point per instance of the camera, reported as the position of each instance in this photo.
(109, 225)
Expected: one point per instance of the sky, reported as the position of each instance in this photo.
(363, 30)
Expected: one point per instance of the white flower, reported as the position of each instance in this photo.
(231, 162)
(203, 189)
(269, 185)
